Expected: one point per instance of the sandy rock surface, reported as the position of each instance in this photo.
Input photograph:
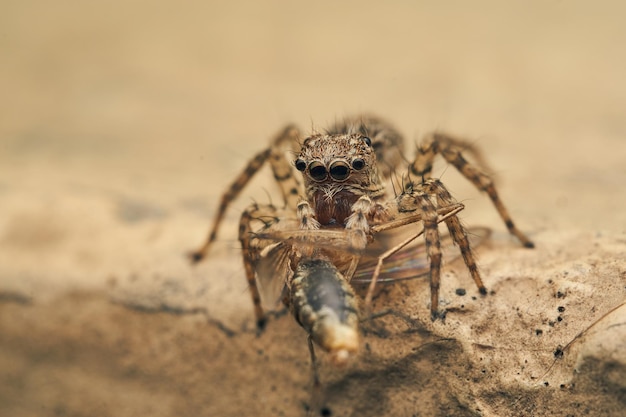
(122, 124)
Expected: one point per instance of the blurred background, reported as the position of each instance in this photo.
(170, 98)
(121, 123)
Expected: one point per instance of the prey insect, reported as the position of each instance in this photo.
(310, 249)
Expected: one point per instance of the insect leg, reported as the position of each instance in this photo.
(376, 274)
(314, 370)
(405, 218)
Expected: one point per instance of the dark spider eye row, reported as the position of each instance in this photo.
(339, 170)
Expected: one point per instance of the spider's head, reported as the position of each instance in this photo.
(347, 159)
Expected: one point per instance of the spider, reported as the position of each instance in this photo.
(311, 247)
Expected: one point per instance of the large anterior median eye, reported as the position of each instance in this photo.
(339, 170)
(317, 170)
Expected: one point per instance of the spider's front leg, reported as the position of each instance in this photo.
(416, 202)
(433, 249)
(286, 139)
(434, 187)
(451, 149)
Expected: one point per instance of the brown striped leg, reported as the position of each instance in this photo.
(442, 215)
(457, 231)
(415, 201)
(282, 168)
(283, 173)
(433, 250)
(251, 248)
(450, 148)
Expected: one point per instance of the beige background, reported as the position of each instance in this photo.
(122, 122)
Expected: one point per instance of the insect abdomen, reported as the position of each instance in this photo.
(325, 306)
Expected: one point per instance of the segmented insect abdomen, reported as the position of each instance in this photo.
(326, 307)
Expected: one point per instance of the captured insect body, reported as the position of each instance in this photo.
(324, 304)
(310, 249)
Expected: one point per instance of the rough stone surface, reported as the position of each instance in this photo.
(122, 124)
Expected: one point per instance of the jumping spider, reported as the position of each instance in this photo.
(312, 246)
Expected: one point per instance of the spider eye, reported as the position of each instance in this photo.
(367, 141)
(358, 164)
(339, 170)
(300, 165)
(317, 170)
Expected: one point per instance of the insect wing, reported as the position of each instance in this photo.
(412, 262)
(409, 263)
(272, 271)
